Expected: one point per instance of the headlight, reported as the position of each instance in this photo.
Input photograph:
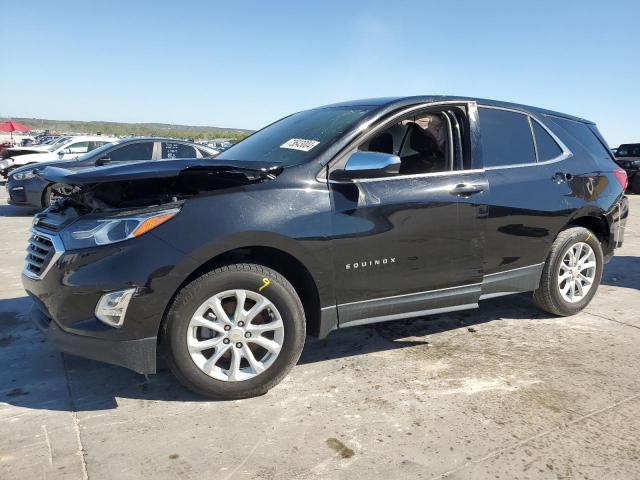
(23, 175)
(103, 231)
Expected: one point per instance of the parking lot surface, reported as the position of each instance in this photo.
(504, 391)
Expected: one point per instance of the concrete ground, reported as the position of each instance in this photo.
(502, 392)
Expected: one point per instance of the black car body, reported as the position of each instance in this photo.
(26, 186)
(628, 157)
(359, 243)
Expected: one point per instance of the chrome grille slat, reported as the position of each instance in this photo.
(36, 242)
(36, 256)
(42, 251)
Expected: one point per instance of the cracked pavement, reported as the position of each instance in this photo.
(504, 391)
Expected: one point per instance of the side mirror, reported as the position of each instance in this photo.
(102, 161)
(369, 165)
(61, 153)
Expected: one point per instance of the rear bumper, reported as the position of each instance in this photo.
(617, 220)
(138, 355)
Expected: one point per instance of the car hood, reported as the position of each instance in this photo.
(152, 169)
(35, 148)
(69, 164)
(35, 158)
(148, 183)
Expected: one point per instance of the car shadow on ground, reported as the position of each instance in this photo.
(622, 271)
(40, 378)
(17, 211)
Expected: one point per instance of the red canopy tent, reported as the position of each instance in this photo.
(11, 126)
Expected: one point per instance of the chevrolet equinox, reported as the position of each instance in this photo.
(343, 215)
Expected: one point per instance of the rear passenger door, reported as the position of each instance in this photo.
(523, 162)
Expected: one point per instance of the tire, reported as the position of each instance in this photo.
(255, 281)
(46, 195)
(548, 296)
(634, 185)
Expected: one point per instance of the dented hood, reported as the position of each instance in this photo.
(155, 169)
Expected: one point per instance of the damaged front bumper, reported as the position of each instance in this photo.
(138, 355)
(70, 286)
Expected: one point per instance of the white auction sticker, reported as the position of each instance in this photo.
(299, 144)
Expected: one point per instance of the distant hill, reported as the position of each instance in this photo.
(138, 129)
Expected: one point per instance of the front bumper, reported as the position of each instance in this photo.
(16, 196)
(66, 295)
(137, 355)
(25, 192)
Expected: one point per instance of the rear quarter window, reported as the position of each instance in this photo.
(505, 137)
(581, 133)
(177, 150)
(547, 147)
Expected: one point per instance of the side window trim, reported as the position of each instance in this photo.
(450, 162)
(535, 140)
(566, 153)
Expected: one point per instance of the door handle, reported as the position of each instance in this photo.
(465, 189)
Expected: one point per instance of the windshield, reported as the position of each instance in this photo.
(630, 150)
(297, 138)
(57, 143)
(96, 152)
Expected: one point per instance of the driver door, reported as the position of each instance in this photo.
(410, 243)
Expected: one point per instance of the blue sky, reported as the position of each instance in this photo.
(245, 64)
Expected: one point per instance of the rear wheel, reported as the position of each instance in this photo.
(571, 274)
(235, 332)
(635, 184)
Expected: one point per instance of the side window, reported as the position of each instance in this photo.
(78, 148)
(94, 145)
(505, 137)
(421, 141)
(177, 150)
(133, 151)
(547, 147)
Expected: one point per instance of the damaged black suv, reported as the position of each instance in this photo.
(339, 216)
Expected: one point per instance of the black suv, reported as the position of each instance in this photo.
(26, 186)
(628, 157)
(344, 215)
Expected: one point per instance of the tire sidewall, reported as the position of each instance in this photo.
(278, 291)
(581, 235)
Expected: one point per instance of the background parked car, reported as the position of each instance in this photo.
(13, 151)
(65, 150)
(25, 187)
(628, 157)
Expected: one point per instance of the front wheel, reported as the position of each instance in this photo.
(571, 274)
(235, 332)
(53, 192)
(635, 184)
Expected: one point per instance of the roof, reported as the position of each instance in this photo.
(399, 102)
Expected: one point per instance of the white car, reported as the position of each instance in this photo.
(61, 150)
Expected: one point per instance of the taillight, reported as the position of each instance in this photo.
(622, 178)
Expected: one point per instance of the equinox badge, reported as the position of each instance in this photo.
(370, 263)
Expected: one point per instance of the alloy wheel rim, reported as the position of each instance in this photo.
(58, 192)
(577, 272)
(235, 335)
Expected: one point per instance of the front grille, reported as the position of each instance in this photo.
(39, 254)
